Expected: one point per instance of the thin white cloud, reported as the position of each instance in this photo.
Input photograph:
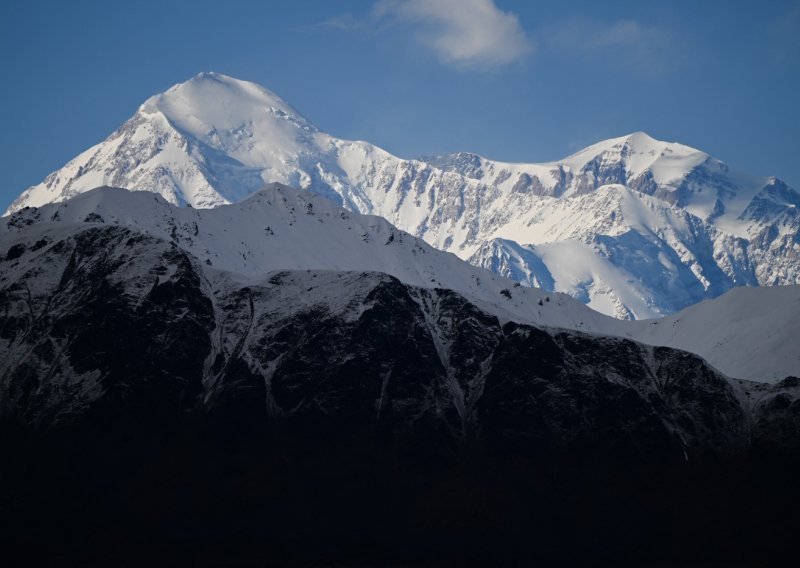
(650, 50)
(462, 33)
(342, 22)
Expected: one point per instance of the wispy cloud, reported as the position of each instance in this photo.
(468, 34)
(650, 50)
(463, 33)
(343, 22)
(477, 34)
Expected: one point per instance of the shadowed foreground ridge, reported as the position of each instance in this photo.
(152, 408)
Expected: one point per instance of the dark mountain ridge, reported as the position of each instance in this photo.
(157, 409)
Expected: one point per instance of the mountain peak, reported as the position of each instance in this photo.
(639, 152)
(640, 139)
(212, 100)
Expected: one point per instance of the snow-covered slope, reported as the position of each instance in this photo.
(747, 333)
(621, 252)
(282, 228)
(633, 226)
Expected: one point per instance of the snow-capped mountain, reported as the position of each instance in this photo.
(632, 226)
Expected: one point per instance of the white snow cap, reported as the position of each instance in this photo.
(633, 226)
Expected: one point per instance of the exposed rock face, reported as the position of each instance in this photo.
(86, 331)
(776, 416)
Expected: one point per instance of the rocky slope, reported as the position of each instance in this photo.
(632, 226)
(104, 320)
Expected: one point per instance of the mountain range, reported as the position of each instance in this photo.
(220, 368)
(633, 227)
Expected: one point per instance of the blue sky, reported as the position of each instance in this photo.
(509, 79)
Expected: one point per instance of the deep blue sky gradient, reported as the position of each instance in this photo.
(723, 76)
